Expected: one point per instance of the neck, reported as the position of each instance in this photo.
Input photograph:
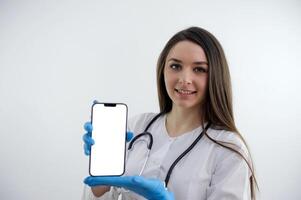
(180, 120)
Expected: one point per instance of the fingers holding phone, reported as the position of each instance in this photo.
(87, 138)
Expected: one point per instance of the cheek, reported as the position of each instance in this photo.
(166, 78)
(170, 80)
(203, 84)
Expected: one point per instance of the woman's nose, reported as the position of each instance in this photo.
(185, 77)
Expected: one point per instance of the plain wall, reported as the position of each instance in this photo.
(56, 57)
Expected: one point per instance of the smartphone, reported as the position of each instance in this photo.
(109, 121)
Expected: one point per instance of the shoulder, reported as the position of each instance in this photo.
(138, 122)
(229, 139)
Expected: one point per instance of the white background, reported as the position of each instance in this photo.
(56, 57)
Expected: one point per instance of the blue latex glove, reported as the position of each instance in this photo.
(88, 141)
(151, 189)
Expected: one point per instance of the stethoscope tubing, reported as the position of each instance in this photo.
(150, 144)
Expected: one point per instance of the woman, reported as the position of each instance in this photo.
(197, 148)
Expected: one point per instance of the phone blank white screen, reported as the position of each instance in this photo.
(109, 131)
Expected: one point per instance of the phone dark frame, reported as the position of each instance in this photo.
(124, 156)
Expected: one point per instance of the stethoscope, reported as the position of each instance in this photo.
(149, 144)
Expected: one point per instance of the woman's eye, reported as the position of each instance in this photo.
(200, 69)
(175, 66)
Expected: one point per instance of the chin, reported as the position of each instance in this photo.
(187, 105)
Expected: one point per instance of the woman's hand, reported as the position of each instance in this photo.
(88, 142)
(87, 138)
(152, 189)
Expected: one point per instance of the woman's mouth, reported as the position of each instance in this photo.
(185, 92)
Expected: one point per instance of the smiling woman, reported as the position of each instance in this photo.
(195, 98)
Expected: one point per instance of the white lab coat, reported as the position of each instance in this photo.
(207, 172)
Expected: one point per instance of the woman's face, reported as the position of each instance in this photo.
(186, 74)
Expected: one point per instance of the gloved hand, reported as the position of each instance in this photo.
(88, 141)
(151, 189)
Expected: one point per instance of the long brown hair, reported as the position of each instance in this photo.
(217, 105)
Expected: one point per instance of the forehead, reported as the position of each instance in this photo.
(187, 51)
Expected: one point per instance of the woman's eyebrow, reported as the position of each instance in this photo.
(197, 62)
(174, 59)
(201, 63)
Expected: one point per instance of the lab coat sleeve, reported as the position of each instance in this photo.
(230, 179)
